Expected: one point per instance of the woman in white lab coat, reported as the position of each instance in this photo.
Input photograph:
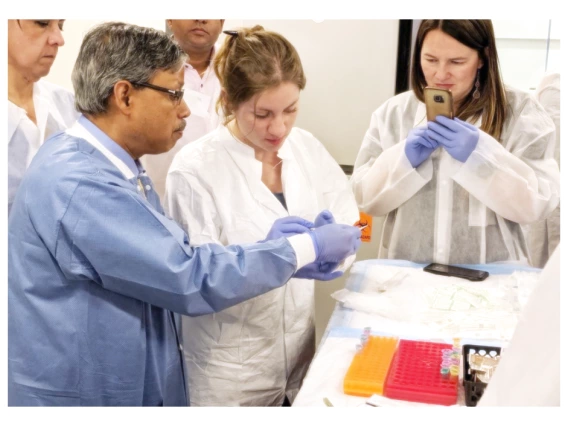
(228, 187)
(456, 191)
(36, 109)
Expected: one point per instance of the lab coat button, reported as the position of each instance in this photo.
(148, 187)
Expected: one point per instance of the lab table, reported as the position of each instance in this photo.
(446, 310)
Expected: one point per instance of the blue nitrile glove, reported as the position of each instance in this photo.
(456, 136)
(288, 226)
(335, 242)
(319, 271)
(324, 218)
(419, 146)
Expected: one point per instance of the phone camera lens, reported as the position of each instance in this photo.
(439, 99)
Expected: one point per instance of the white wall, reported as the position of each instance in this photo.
(522, 47)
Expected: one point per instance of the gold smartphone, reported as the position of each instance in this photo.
(438, 102)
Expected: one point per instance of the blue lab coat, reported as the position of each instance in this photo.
(96, 273)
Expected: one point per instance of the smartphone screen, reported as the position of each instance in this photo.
(438, 102)
(456, 271)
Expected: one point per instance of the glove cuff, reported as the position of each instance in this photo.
(315, 241)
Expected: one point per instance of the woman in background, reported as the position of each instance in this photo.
(36, 109)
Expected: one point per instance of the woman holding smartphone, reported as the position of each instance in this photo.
(456, 190)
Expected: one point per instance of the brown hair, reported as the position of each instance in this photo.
(252, 60)
(477, 35)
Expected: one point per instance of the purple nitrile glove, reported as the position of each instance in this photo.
(335, 242)
(419, 146)
(288, 226)
(456, 136)
(319, 271)
(324, 218)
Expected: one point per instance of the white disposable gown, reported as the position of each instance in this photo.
(55, 111)
(452, 212)
(544, 235)
(528, 373)
(255, 353)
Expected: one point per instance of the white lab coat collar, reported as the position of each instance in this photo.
(79, 131)
(43, 105)
(243, 156)
(420, 117)
(15, 115)
(45, 95)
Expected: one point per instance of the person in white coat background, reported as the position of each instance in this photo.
(528, 374)
(457, 190)
(197, 38)
(36, 109)
(227, 188)
(544, 235)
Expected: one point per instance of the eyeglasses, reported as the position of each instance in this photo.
(175, 95)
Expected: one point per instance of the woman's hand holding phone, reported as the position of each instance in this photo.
(419, 146)
(456, 136)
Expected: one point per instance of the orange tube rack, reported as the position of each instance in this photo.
(368, 370)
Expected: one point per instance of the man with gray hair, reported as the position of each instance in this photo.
(96, 273)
